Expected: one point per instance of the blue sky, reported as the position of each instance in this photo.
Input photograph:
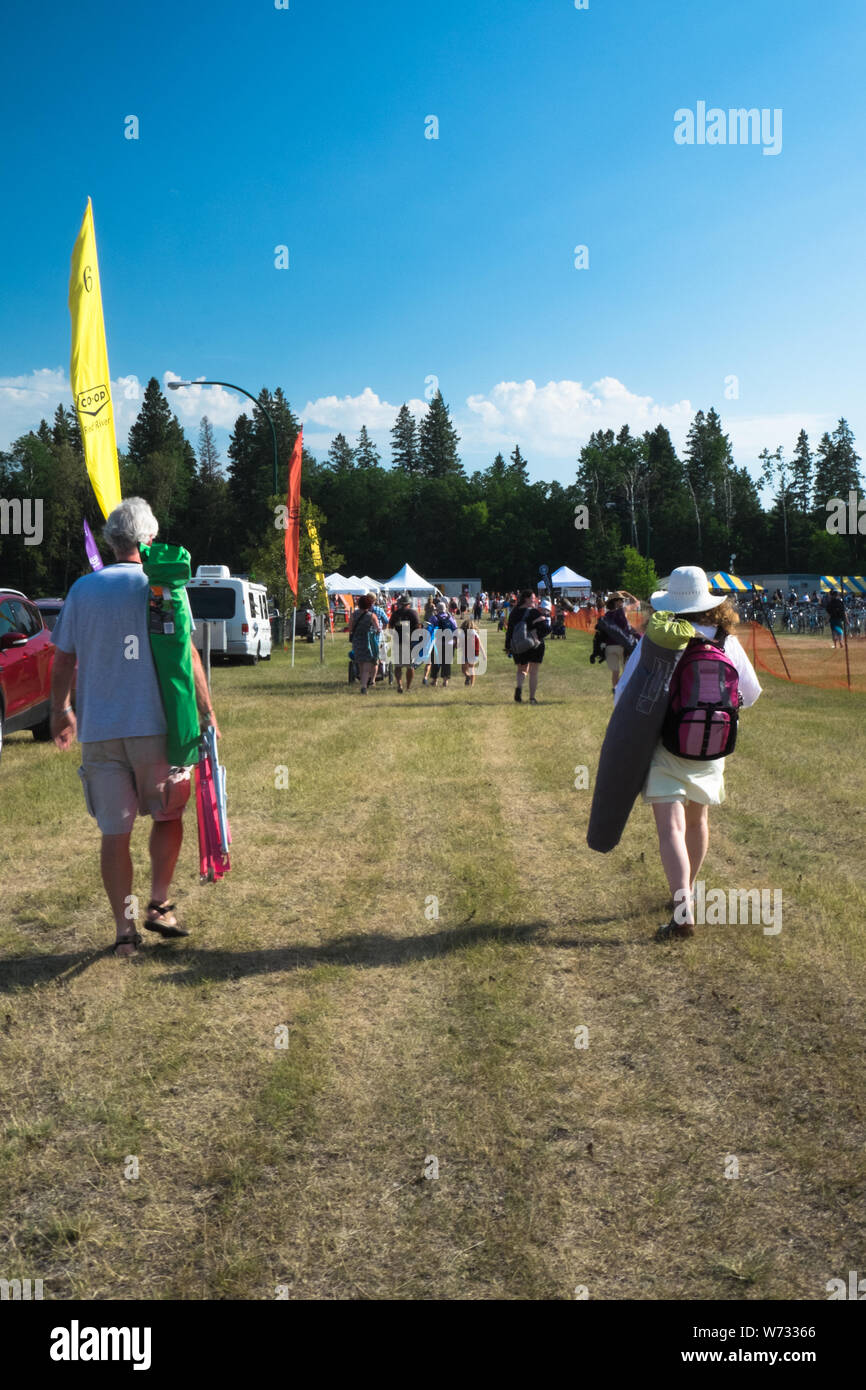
(453, 258)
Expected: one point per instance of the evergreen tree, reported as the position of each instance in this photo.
(837, 473)
(251, 471)
(708, 467)
(366, 453)
(837, 469)
(151, 430)
(496, 471)
(60, 430)
(438, 442)
(208, 456)
(517, 466)
(801, 475)
(341, 455)
(160, 462)
(209, 522)
(404, 441)
(667, 533)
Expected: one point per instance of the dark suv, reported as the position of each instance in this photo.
(26, 656)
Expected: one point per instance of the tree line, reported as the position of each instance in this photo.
(631, 495)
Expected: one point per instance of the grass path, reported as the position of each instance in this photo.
(421, 1043)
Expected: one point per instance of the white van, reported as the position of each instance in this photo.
(236, 612)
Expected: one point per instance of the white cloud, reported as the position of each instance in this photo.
(550, 422)
(346, 414)
(190, 403)
(555, 420)
(25, 400)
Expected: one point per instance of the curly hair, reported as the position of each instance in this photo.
(723, 615)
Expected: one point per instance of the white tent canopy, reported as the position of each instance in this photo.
(409, 581)
(352, 585)
(565, 578)
(337, 583)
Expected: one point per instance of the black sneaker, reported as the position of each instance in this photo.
(674, 931)
(518, 695)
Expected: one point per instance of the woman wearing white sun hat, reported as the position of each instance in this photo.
(681, 790)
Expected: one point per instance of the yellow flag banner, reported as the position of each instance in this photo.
(315, 549)
(88, 372)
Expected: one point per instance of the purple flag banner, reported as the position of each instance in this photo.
(92, 549)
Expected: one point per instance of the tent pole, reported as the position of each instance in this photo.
(294, 615)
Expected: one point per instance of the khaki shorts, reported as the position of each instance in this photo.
(123, 777)
(614, 655)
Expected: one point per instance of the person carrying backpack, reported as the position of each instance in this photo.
(524, 641)
(712, 680)
(615, 638)
(364, 636)
(404, 621)
(443, 627)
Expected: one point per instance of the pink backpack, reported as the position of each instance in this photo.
(703, 708)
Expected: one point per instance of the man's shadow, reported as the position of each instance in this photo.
(364, 950)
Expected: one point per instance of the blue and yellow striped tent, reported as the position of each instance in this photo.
(852, 584)
(730, 583)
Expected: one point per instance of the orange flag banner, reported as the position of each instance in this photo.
(293, 518)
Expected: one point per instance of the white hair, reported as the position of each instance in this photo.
(131, 524)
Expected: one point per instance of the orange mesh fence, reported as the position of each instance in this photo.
(803, 659)
(585, 619)
(806, 659)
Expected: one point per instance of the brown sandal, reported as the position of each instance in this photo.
(135, 940)
(166, 930)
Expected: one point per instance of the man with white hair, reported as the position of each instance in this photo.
(103, 626)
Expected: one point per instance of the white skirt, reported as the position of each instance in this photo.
(681, 779)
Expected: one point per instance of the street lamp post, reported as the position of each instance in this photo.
(176, 385)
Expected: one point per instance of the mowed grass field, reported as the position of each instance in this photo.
(419, 1043)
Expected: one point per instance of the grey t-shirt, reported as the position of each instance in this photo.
(117, 693)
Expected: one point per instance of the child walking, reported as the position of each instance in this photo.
(471, 650)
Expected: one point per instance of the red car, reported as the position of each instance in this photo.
(26, 657)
